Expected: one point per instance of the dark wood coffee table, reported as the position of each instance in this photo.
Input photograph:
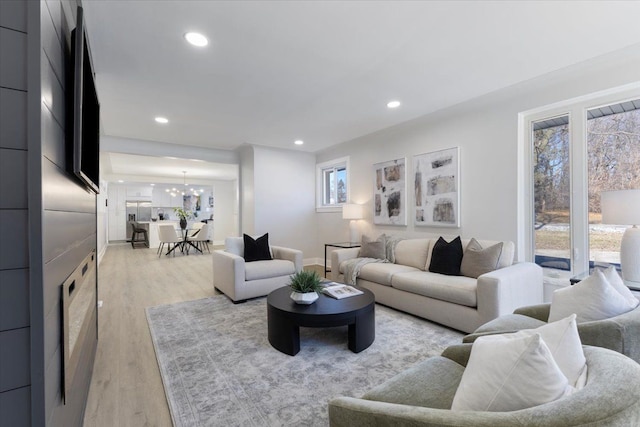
(285, 318)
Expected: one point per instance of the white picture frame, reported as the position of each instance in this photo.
(390, 192)
(436, 201)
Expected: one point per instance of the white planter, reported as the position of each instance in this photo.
(304, 298)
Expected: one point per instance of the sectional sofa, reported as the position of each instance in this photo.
(460, 302)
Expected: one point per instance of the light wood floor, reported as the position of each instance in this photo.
(126, 388)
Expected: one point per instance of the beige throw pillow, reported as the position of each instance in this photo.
(373, 249)
(477, 261)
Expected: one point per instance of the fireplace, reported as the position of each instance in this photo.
(79, 301)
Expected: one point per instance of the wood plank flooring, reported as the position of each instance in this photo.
(126, 388)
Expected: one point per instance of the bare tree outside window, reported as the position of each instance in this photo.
(613, 148)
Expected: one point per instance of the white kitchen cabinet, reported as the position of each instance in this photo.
(139, 193)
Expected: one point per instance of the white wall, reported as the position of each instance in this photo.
(225, 210)
(486, 130)
(283, 198)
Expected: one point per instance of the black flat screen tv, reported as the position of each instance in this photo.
(84, 151)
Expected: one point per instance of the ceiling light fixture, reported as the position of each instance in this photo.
(299, 142)
(393, 104)
(196, 39)
(184, 178)
(162, 120)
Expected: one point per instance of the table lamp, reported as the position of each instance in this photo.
(622, 207)
(353, 212)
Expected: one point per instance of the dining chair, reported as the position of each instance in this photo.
(167, 234)
(201, 238)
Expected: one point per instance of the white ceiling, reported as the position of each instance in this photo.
(323, 71)
(169, 170)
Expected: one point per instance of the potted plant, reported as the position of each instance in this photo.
(183, 215)
(305, 286)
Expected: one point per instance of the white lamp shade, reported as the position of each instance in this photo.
(352, 211)
(621, 207)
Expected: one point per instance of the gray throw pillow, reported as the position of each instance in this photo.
(373, 249)
(477, 261)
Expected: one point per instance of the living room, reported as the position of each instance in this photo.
(278, 182)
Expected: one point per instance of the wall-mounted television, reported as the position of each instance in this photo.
(84, 135)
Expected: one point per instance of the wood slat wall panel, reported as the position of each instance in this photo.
(13, 15)
(13, 119)
(52, 92)
(15, 362)
(64, 230)
(52, 45)
(57, 270)
(15, 331)
(13, 74)
(14, 243)
(13, 179)
(14, 299)
(15, 407)
(63, 194)
(53, 146)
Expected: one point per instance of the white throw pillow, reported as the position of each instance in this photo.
(615, 280)
(591, 299)
(563, 340)
(508, 374)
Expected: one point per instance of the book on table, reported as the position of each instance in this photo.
(339, 290)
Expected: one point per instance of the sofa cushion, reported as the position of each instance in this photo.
(478, 260)
(382, 273)
(614, 279)
(412, 252)
(267, 269)
(256, 249)
(456, 289)
(430, 384)
(446, 257)
(234, 245)
(508, 250)
(373, 248)
(507, 374)
(592, 299)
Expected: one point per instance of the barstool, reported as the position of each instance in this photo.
(136, 231)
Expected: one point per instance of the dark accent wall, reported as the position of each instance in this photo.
(47, 219)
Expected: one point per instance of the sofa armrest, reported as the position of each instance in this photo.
(349, 411)
(619, 333)
(293, 255)
(538, 311)
(459, 353)
(503, 290)
(338, 256)
(228, 272)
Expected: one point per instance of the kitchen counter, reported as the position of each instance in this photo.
(152, 228)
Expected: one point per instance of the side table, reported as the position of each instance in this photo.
(341, 245)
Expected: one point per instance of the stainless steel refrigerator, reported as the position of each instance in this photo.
(138, 211)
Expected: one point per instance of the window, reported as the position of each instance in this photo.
(333, 184)
(551, 192)
(613, 152)
(571, 153)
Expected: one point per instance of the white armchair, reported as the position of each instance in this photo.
(240, 280)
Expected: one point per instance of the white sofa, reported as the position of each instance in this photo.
(459, 302)
(240, 280)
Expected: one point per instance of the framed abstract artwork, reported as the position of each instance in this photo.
(437, 188)
(390, 193)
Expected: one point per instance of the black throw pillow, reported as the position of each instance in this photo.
(446, 257)
(257, 249)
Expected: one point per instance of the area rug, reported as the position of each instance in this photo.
(219, 369)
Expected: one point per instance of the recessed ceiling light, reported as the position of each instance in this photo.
(299, 142)
(196, 39)
(120, 181)
(162, 120)
(152, 185)
(393, 104)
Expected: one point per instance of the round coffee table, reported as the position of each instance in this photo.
(285, 318)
